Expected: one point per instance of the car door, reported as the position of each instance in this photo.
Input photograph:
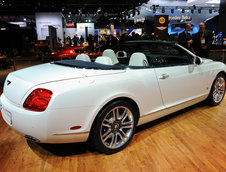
(179, 79)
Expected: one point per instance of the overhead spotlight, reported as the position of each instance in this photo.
(172, 11)
(80, 12)
(192, 11)
(99, 10)
(183, 10)
(199, 11)
(153, 7)
(210, 11)
(163, 10)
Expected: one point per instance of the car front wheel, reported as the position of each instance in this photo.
(115, 127)
(217, 91)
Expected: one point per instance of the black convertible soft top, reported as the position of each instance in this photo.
(93, 65)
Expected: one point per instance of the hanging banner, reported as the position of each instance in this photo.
(112, 27)
(161, 27)
(70, 25)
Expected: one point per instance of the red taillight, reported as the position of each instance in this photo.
(38, 100)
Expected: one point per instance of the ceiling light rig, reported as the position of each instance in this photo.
(134, 13)
(154, 8)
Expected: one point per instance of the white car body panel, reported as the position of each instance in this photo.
(79, 95)
(173, 90)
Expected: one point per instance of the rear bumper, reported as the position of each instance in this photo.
(0, 104)
(45, 127)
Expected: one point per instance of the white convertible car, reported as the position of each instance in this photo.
(103, 101)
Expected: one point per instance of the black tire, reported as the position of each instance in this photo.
(217, 91)
(114, 127)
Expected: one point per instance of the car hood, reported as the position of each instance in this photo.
(18, 83)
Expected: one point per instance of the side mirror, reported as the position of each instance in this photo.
(198, 60)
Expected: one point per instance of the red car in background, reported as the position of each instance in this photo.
(72, 52)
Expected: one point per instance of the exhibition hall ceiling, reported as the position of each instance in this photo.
(18, 7)
(107, 11)
(66, 6)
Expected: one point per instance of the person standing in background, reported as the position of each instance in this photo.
(203, 41)
(185, 38)
(75, 40)
(81, 40)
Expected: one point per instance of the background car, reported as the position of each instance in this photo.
(102, 102)
(72, 51)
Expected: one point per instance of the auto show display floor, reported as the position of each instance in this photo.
(189, 140)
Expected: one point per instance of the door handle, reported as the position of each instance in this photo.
(164, 76)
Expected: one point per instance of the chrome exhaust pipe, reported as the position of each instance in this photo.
(31, 138)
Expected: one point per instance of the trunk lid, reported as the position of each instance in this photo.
(19, 82)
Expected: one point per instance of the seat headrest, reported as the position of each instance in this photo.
(104, 60)
(138, 59)
(110, 53)
(83, 57)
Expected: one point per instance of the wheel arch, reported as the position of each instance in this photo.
(215, 76)
(126, 99)
(222, 72)
(209, 98)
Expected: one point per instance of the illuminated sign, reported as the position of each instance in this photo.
(162, 20)
(69, 25)
(187, 18)
(21, 24)
(142, 19)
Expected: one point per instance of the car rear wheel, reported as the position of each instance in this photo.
(115, 127)
(217, 91)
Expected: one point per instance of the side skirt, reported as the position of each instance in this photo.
(158, 114)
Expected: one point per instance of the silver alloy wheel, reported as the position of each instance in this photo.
(219, 89)
(117, 127)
